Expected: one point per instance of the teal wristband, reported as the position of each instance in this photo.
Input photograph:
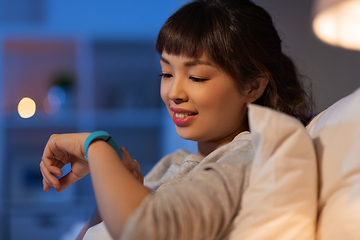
(102, 135)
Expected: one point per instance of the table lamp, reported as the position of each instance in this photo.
(337, 22)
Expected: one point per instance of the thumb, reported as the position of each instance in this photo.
(67, 180)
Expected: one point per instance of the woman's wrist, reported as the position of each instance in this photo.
(100, 135)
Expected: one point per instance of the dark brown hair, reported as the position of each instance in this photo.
(240, 37)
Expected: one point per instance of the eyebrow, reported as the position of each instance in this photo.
(189, 63)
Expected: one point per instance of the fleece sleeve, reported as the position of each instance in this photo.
(201, 206)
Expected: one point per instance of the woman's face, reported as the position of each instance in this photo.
(202, 100)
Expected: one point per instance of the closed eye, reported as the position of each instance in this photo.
(165, 75)
(195, 79)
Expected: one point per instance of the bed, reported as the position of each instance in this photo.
(305, 182)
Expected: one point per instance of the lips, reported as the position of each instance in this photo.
(182, 117)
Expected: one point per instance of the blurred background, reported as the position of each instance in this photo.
(73, 66)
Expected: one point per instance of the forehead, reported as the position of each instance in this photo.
(187, 61)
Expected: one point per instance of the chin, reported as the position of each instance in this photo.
(187, 135)
(191, 136)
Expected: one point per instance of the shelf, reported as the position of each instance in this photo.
(41, 119)
(147, 117)
(115, 87)
(129, 117)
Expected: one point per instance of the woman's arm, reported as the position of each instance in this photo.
(117, 192)
(117, 185)
(132, 166)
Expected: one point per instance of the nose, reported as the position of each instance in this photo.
(177, 92)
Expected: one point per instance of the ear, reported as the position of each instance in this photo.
(257, 88)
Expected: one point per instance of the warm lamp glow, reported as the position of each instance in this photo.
(337, 22)
(26, 107)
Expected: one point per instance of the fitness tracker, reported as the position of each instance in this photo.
(102, 135)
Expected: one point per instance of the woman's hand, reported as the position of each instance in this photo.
(132, 165)
(62, 149)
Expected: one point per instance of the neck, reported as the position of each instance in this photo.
(205, 148)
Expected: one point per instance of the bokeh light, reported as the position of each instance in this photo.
(339, 25)
(54, 100)
(26, 107)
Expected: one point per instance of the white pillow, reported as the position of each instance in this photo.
(96, 232)
(336, 134)
(281, 199)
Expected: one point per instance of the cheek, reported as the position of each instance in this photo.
(164, 92)
(221, 102)
(213, 97)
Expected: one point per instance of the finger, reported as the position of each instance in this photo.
(138, 176)
(54, 168)
(137, 166)
(67, 180)
(127, 160)
(125, 153)
(57, 168)
(46, 184)
(49, 177)
(44, 177)
(135, 174)
(53, 165)
(46, 187)
(53, 156)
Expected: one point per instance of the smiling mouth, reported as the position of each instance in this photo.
(183, 115)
